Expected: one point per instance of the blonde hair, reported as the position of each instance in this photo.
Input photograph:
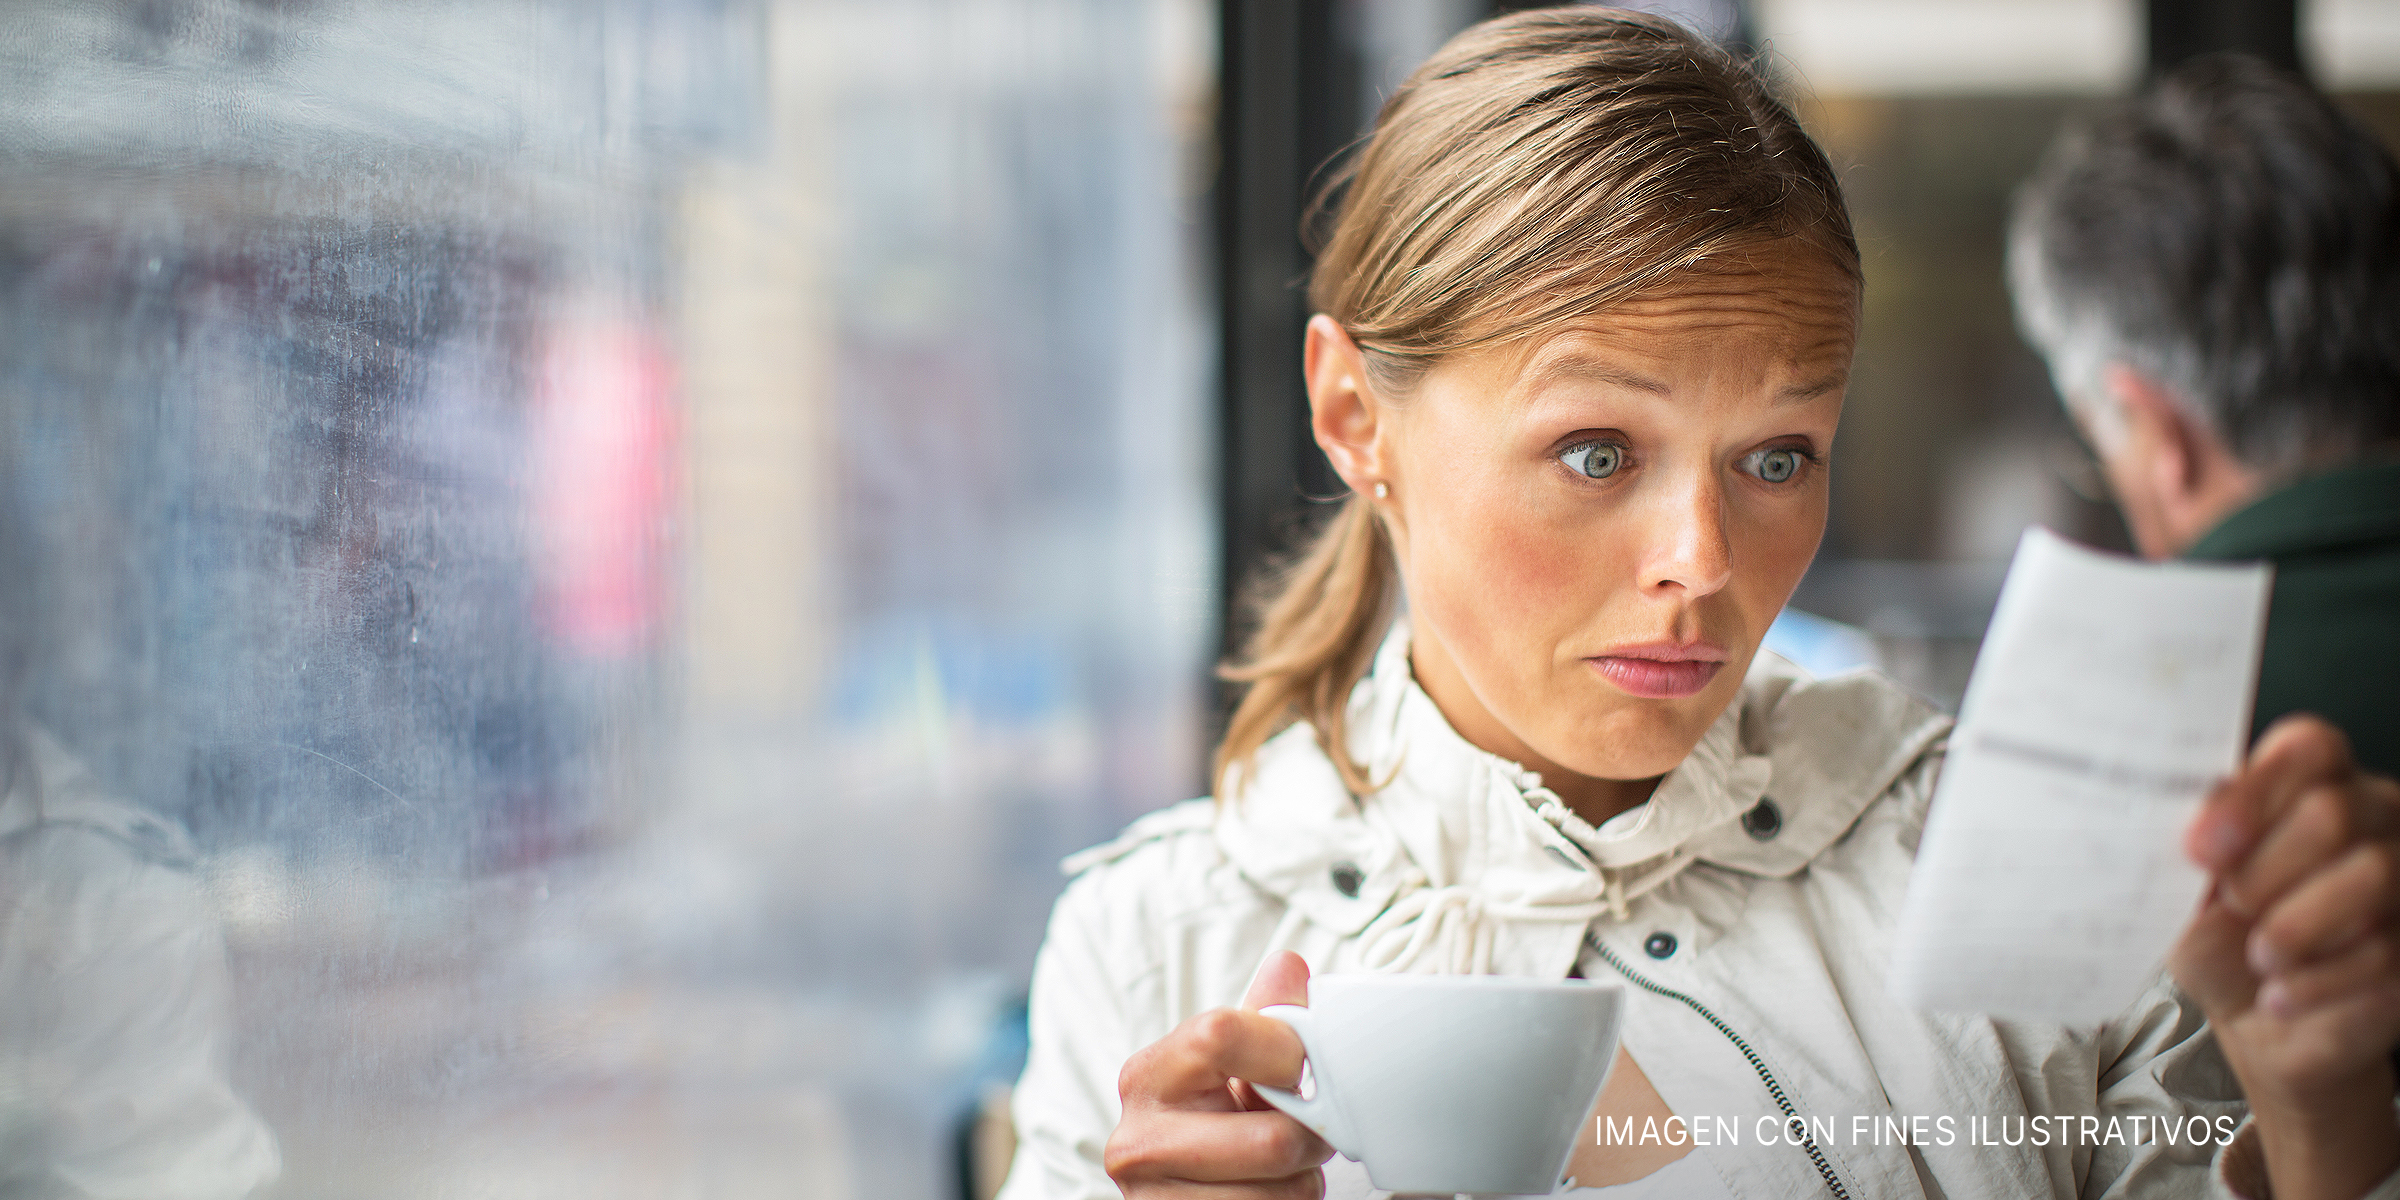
(1541, 167)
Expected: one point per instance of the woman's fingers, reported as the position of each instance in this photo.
(2296, 753)
(1308, 1185)
(2343, 902)
(2312, 831)
(1190, 1067)
(1282, 979)
(2364, 967)
(1245, 1045)
(1192, 1128)
(2208, 960)
(1246, 1148)
(2349, 1033)
(1182, 1134)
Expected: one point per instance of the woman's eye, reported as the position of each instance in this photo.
(1593, 460)
(1774, 466)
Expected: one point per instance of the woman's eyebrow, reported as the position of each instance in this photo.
(1561, 370)
(1801, 393)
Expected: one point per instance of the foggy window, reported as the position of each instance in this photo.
(568, 571)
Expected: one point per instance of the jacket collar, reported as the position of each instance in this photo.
(1468, 863)
(2354, 505)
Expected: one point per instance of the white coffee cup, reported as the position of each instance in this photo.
(1448, 1084)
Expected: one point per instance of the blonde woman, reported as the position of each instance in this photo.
(1586, 320)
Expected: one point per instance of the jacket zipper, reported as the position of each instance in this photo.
(1790, 1115)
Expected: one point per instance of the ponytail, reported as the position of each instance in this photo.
(1318, 628)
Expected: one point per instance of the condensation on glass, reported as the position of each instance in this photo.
(568, 570)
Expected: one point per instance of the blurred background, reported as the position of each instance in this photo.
(630, 536)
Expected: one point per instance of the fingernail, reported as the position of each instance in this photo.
(2276, 998)
(2224, 840)
(2264, 959)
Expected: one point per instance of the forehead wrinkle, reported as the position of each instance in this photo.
(1817, 318)
(1579, 367)
(1759, 295)
(1816, 323)
(1586, 363)
(1733, 312)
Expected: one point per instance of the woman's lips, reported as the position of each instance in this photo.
(1661, 672)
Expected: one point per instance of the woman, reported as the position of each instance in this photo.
(1585, 324)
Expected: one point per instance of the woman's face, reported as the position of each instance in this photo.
(1596, 524)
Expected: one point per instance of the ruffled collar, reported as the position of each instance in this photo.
(1465, 863)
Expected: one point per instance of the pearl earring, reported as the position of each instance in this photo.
(1383, 491)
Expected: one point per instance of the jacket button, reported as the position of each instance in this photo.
(1763, 821)
(1347, 877)
(1659, 945)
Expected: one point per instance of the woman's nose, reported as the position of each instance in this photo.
(1687, 547)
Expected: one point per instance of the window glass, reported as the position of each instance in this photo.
(568, 571)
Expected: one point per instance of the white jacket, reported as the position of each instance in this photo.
(1772, 861)
(116, 1005)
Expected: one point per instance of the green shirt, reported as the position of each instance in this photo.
(2333, 623)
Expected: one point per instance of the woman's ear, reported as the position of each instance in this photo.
(1342, 407)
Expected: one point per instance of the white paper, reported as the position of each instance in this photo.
(2109, 697)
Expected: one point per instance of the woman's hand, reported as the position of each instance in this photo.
(1192, 1127)
(2295, 955)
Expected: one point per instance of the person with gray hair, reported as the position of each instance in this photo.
(2212, 270)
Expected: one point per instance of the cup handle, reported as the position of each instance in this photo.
(1317, 1112)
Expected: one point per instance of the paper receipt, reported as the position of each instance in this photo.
(2109, 696)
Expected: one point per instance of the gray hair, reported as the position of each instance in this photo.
(2234, 237)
